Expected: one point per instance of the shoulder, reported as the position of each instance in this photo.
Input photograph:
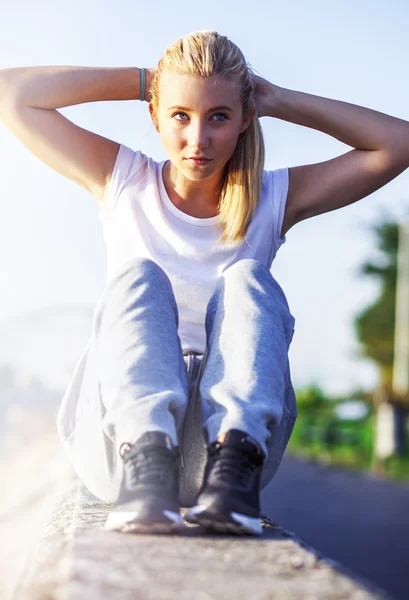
(275, 183)
(275, 177)
(130, 164)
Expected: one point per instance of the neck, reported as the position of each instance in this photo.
(195, 198)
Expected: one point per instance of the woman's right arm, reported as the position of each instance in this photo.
(29, 98)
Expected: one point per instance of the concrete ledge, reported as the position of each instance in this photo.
(73, 558)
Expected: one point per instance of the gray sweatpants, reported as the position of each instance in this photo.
(133, 376)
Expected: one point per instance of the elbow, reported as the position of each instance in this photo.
(395, 157)
(11, 85)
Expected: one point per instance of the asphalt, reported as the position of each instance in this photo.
(359, 520)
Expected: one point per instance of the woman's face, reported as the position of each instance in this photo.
(199, 117)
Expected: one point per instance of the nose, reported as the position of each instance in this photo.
(198, 135)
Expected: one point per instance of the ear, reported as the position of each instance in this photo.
(153, 117)
(248, 119)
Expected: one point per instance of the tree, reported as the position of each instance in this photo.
(375, 329)
(375, 326)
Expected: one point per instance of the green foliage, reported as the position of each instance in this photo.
(375, 325)
(397, 467)
(375, 329)
(320, 436)
(310, 397)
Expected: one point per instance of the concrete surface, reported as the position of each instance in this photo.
(56, 549)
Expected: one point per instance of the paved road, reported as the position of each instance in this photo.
(359, 520)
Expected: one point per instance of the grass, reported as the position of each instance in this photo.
(347, 444)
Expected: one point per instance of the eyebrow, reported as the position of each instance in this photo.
(210, 109)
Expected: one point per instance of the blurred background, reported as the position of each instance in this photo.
(344, 273)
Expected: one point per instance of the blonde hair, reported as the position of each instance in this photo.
(206, 53)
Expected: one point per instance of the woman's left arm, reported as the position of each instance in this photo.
(381, 151)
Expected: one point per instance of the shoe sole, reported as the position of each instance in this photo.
(127, 522)
(232, 522)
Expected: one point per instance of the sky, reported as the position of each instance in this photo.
(52, 254)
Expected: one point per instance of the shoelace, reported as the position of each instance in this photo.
(145, 468)
(227, 466)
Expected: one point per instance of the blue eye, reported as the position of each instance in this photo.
(218, 114)
(179, 113)
(222, 114)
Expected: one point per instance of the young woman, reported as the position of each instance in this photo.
(183, 395)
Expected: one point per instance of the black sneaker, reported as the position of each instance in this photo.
(148, 497)
(229, 500)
